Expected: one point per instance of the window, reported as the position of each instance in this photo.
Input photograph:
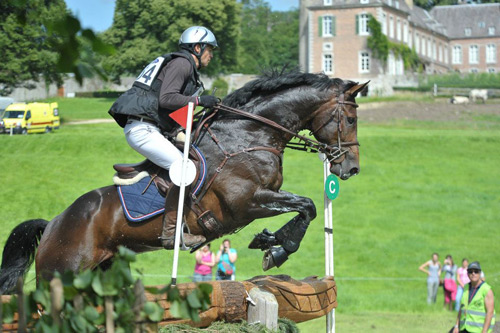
(364, 1)
(423, 46)
(456, 57)
(396, 4)
(326, 26)
(327, 2)
(481, 24)
(473, 70)
(328, 63)
(405, 32)
(400, 67)
(440, 53)
(391, 27)
(491, 31)
(446, 55)
(491, 70)
(398, 29)
(417, 43)
(384, 24)
(429, 48)
(468, 31)
(473, 54)
(491, 53)
(391, 64)
(389, 2)
(364, 62)
(363, 24)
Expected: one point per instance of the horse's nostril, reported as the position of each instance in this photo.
(354, 171)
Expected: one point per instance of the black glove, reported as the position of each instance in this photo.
(208, 101)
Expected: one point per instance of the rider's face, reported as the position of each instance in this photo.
(207, 56)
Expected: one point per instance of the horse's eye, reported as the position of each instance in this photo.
(351, 120)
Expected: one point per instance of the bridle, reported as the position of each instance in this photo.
(337, 151)
(332, 152)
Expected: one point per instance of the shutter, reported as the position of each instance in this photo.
(334, 30)
(320, 26)
(357, 24)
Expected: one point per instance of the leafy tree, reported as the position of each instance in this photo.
(40, 39)
(25, 44)
(144, 29)
(268, 38)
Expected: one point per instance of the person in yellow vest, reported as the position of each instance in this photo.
(477, 307)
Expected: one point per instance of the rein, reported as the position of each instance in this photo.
(333, 152)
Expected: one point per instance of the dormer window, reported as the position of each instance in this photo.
(396, 4)
(364, 1)
(327, 2)
(468, 31)
(491, 31)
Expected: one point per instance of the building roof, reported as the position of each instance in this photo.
(423, 19)
(477, 18)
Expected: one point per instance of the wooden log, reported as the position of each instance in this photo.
(298, 300)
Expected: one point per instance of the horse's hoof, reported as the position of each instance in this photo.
(263, 240)
(274, 257)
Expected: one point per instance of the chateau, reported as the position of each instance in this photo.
(333, 38)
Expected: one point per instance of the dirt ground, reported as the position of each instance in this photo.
(440, 110)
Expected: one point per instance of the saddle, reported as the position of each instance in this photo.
(127, 174)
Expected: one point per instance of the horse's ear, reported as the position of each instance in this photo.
(353, 91)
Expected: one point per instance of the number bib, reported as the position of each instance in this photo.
(149, 74)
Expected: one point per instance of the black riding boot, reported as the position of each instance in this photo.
(169, 222)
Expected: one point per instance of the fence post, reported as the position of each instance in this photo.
(140, 300)
(21, 325)
(265, 310)
(435, 90)
(56, 300)
(108, 306)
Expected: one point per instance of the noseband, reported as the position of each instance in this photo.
(334, 152)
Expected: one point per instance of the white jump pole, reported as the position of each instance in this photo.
(180, 207)
(329, 267)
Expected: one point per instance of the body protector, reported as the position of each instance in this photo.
(142, 99)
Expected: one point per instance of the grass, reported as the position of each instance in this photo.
(421, 189)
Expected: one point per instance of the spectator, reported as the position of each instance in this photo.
(462, 279)
(226, 257)
(205, 260)
(477, 309)
(449, 285)
(433, 272)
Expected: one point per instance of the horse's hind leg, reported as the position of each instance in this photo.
(271, 203)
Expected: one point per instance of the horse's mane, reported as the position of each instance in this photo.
(274, 80)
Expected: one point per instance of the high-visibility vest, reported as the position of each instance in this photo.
(473, 314)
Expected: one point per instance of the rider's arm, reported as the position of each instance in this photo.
(174, 76)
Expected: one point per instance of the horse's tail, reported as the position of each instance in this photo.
(19, 252)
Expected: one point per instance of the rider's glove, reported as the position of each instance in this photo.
(208, 101)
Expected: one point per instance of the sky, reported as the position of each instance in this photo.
(98, 14)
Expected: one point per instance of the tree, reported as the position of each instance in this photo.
(268, 39)
(41, 39)
(25, 44)
(144, 29)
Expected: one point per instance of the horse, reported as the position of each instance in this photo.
(243, 142)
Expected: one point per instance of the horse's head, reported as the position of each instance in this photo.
(335, 124)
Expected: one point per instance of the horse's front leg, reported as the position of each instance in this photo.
(269, 203)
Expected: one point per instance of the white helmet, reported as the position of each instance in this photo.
(197, 35)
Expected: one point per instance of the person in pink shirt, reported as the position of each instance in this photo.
(462, 279)
(205, 260)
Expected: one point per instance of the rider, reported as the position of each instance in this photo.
(165, 85)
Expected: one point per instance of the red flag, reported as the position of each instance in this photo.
(180, 116)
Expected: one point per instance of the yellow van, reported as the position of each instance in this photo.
(22, 118)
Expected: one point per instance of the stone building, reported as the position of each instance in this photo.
(333, 39)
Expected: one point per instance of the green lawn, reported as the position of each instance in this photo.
(421, 189)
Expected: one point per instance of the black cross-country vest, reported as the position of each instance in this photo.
(143, 98)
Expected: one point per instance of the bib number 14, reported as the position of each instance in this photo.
(149, 73)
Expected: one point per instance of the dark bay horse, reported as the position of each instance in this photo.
(245, 153)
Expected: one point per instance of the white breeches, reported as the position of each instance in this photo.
(146, 139)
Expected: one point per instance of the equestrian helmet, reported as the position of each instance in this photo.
(197, 35)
